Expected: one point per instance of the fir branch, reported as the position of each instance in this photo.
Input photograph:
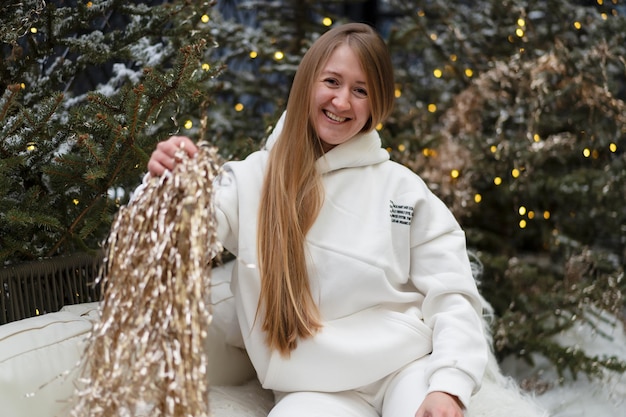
(138, 93)
(9, 99)
(20, 217)
(70, 230)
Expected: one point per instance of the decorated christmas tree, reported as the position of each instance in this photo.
(514, 112)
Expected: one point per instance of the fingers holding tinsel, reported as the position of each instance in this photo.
(148, 349)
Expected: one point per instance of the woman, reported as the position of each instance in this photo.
(353, 289)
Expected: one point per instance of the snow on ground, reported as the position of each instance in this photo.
(581, 397)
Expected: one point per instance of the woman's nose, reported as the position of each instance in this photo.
(341, 101)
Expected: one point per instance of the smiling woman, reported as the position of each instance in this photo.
(353, 282)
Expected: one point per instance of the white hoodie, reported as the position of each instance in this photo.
(388, 268)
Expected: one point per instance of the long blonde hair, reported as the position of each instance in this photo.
(292, 193)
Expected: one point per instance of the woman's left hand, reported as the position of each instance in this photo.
(440, 404)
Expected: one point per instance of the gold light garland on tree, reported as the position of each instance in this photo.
(146, 355)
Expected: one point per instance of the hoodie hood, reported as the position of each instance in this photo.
(361, 150)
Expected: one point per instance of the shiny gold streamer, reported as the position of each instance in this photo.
(146, 355)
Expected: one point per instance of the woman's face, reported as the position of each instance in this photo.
(341, 106)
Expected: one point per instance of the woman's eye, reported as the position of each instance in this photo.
(331, 81)
(360, 92)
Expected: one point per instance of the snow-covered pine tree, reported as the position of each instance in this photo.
(86, 90)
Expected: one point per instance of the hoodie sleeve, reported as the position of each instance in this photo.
(441, 271)
(227, 209)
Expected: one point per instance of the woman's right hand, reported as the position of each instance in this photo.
(164, 156)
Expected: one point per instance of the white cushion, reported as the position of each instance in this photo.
(89, 311)
(39, 359)
(249, 400)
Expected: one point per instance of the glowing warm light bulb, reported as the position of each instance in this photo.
(33, 30)
(401, 147)
(586, 152)
(31, 146)
(521, 210)
(253, 54)
(437, 73)
(515, 172)
(22, 86)
(546, 215)
(522, 224)
(578, 25)
(75, 201)
(327, 21)
(519, 32)
(453, 58)
(613, 147)
(239, 107)
(379, 126)
(478, 198)
(397, 93)
(536, 137)
(278, 55)
(497, 180)
(205, 18)
(206, 67)
(188, 124)
(469, 72)
(455, 173)
(432, 107)
(521, 22)
(493, 148)
(531, 214)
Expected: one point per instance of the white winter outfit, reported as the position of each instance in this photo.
(388, 268)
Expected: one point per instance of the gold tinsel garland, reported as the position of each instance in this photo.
(146, 355)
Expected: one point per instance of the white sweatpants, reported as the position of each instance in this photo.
(397, 395)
